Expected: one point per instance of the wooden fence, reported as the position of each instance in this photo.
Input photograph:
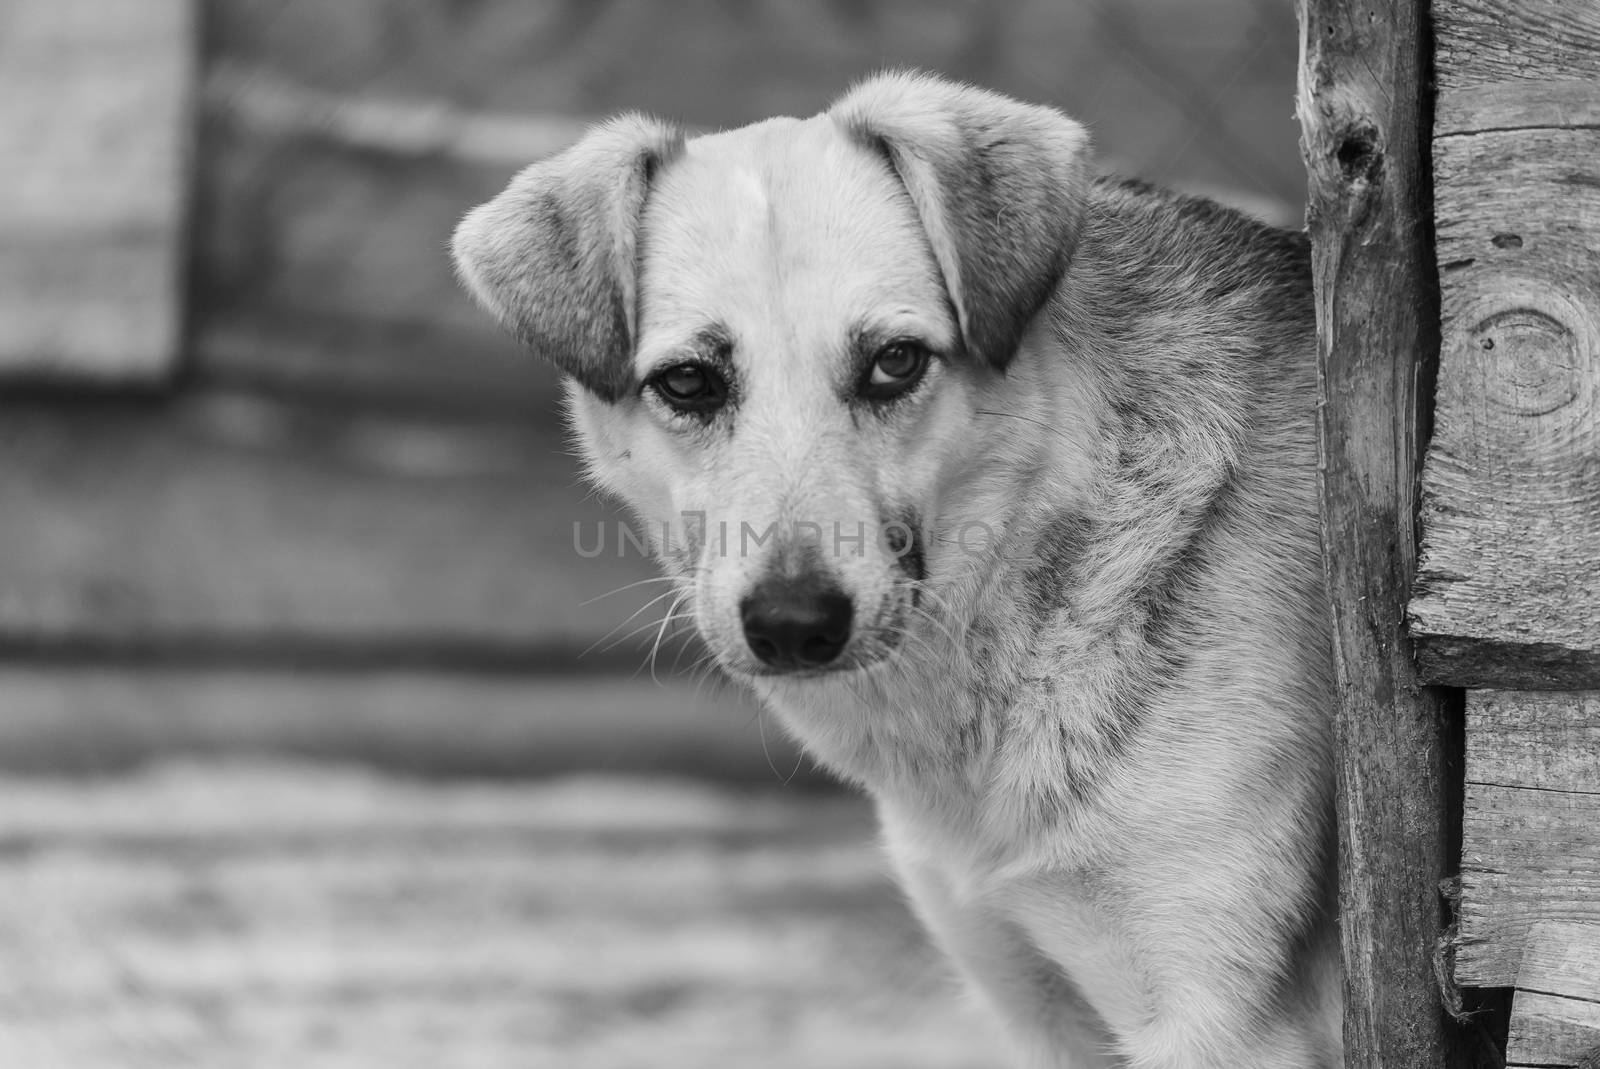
(1456, 228)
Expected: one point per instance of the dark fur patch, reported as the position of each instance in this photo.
(992, 690)
(903, 535)
(1160, 648)
(1006, 180)
(1166, 599)
(1236, 251)
(1047, 582)
(555, 254)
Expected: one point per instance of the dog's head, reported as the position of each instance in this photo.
(778, 338)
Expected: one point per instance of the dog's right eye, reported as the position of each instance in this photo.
(690, 388)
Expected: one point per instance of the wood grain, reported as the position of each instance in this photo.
(235, 524)
(1511, 45)
(1555, 1017)
(1531, 829)
(323, 221)
(1364, 121)
(257, 916)
(88, 718)
(96, 104)
(1508, 588)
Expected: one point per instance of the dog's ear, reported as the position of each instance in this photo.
(553, 256)
(999, 186)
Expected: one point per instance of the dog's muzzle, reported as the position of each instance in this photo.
(794, 625)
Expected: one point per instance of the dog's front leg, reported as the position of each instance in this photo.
(1045, 1016)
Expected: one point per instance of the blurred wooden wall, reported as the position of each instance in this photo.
(96, 133)
(333, 465)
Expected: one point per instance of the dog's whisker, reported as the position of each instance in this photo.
(626, 587)
(1026, 419)
(957, 640)
(933, 621)
(677, 660)
(634, 632)
(643, 629)
(707, 676)
(629, 619)
(661, 633)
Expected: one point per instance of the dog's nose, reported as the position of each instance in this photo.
(796, 623)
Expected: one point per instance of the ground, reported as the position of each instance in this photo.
(267, 915)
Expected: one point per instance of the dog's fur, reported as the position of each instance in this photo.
(1090, 695)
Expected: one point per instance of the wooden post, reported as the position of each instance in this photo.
(1365, 118)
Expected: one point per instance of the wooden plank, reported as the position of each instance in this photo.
(1531, 829)
(95, 128)
(1363, 116)
(292, 915)
(98, 718)
(1514, 45)
(233, 524)
(1555, 1016)
(1509, 579)
(322, 224)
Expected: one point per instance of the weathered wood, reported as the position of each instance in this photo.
(261, 916)
(1508, 587)
(1531, 835)
(1513, 45)
(1364, 121)
(87, 718)
(323, 221)
(1555, 1017)
(95, 114)
(234, 523)
(343, 142)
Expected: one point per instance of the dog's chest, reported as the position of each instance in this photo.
(1059, 910)
(1061, 919)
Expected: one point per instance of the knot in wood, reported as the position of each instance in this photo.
(1360, 154)
(1542, 359)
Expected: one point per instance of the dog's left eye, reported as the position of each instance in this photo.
(895, 369)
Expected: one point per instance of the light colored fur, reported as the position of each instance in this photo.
(1097, 729)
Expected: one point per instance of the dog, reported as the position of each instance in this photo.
(997, 482)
